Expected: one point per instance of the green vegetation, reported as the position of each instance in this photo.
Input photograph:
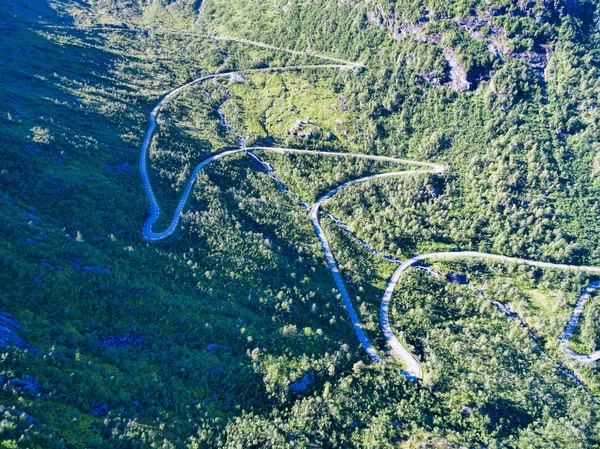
(278, 105)
(586, 338)
(543, 298)
(231, 333)
(482, 363)
(311, 176)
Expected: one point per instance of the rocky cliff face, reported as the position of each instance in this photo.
(484, 26)
(8, 333)
(185, 7)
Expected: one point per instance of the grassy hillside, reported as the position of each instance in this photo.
(231, 333)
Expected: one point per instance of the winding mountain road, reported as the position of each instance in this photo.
(413, 368)
(585, 296)
(149, 234)
(154, 207)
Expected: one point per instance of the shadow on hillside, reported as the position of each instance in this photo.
(57, 140)
(33, 12)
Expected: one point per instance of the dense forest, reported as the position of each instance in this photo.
(231, 332)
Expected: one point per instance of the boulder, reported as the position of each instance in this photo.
(120, 341)
(457, 278)
(30, 420)
(8, 333)
(215, 347)
(300, 386)
(26, 384)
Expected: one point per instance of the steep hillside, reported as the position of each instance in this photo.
(231, 332)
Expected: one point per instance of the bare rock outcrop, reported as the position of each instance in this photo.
(480, 25)
(459, 80)
(8, 333)
(301, 386)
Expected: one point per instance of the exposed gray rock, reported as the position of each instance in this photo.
(214, 347)
(300, 387)
(415, 29)
(101, 411)
(458, 75)
(304, 129)
(6, 319)
(457, 278)
(432, 79)
(26, 384)
(4, 410)
(76, 263)
(236, 79)
(494, 36)
(120, 341)
(8, 333)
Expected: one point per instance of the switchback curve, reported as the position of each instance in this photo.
(150, 235)
(582, 358)
(413, 368)
(154, 207)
